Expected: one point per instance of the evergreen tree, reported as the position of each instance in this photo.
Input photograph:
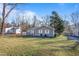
(57, 23)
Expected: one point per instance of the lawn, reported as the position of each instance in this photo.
(23, 46)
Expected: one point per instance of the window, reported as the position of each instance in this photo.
(46, 31)
(40, 31)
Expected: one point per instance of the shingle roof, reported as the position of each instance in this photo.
(40, 27)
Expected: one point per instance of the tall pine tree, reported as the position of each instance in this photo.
(57, 23)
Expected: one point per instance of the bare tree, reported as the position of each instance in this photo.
(22, 22)
(5, 15)
(46, 20)
(0, 23)
(67, 27)
(75, 18)
(75, 21)
(18, 20)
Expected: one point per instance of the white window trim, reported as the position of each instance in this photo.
(46, 31)
(40, 31)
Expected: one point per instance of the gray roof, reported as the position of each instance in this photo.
(41, 27)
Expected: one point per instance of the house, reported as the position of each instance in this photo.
(42, 31)
(13, 30)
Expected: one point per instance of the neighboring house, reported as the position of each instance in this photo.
(13, 30)
(42, 31)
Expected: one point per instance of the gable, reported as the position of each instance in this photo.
(45, 27)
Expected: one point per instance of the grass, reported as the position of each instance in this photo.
(23, 46)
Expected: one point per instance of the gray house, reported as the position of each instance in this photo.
(42, 31)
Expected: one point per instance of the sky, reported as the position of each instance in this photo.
(43, 9)
(47, 8)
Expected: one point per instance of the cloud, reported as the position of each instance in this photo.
(29, 15)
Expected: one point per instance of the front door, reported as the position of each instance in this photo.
(43, 32)
(46, 32)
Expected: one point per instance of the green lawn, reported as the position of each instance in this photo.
(21, 46)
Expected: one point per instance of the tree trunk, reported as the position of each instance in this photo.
(4, 16)
(3, 19)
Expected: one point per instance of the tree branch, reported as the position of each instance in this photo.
(10, 11)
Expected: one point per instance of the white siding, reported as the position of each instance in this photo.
(18, 31)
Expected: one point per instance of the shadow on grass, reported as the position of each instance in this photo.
(35, 37)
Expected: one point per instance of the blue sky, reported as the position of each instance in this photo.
(47, 8)
(43, 9)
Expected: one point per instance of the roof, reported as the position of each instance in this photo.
(41, 27)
